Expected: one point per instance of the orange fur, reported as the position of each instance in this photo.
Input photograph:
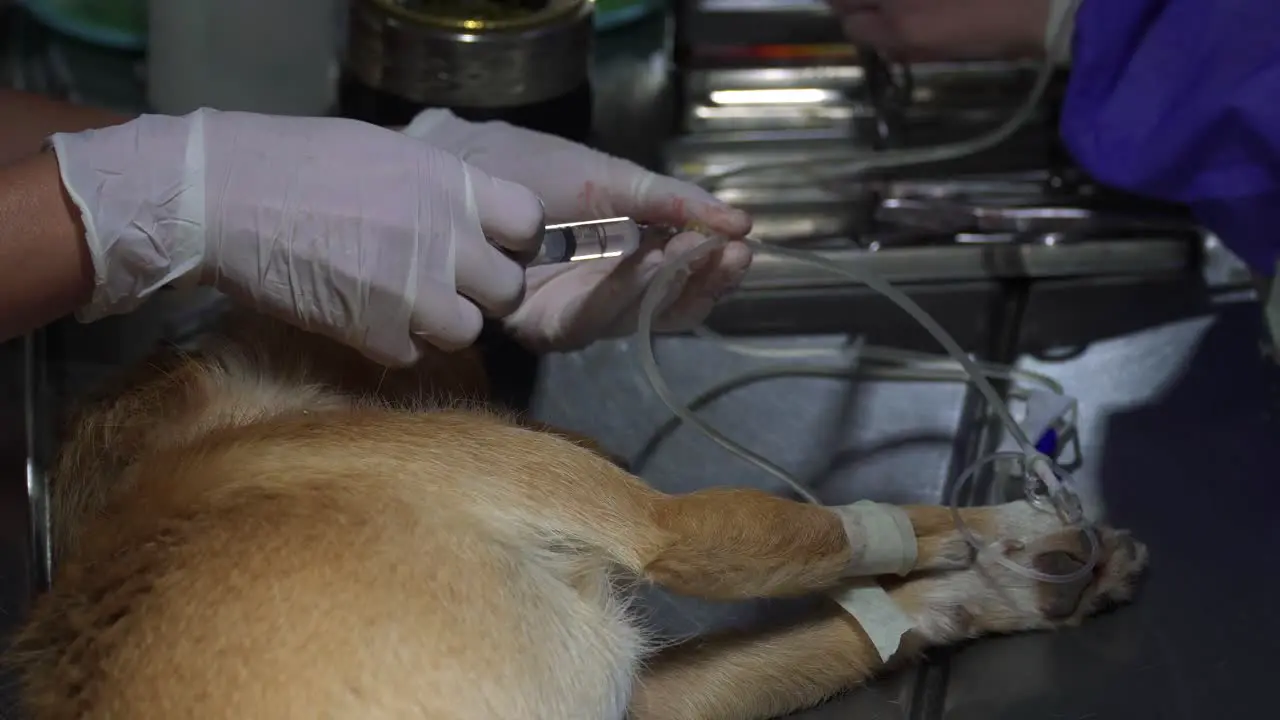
(274, 529)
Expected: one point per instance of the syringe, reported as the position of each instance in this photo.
(589, 240)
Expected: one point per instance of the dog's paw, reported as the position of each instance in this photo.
(939, 545)
(988, 597)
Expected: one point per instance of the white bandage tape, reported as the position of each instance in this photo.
(880, 617)
(881, 539)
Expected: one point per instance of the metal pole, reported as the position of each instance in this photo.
(36, 410)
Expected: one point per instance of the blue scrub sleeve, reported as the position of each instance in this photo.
(1179, 100)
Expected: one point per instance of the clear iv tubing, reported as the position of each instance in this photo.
(890, 356)
(1038, 469)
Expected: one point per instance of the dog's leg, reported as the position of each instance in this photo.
(754, 677)
(718, 544)
(731, 544)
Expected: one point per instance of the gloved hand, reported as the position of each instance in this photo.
(922, 30)
(336, 226)
(570, 305)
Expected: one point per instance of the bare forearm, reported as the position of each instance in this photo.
(27, 119)
(45, 267)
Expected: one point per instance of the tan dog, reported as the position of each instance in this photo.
(259, 531)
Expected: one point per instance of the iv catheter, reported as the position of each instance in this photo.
(1046, 485)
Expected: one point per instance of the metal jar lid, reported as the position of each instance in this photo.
(468, 54)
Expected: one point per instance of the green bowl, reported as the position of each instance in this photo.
(612, 14)
(117, 24)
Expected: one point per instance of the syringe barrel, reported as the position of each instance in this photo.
(590, 240)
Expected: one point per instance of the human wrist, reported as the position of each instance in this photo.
(67, 231)
(28, 119)
(137, 189)
(45, 267)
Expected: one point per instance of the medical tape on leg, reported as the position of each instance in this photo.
(881, 539)
(878, 615)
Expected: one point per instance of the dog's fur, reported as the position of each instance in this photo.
(267, 530)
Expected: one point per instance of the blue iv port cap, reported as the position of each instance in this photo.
(1048, 443)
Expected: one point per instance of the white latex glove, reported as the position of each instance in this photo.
(337, 226)
(570, 305)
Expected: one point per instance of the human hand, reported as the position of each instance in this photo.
(923, 30)
(336, 226)
(571, 305)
